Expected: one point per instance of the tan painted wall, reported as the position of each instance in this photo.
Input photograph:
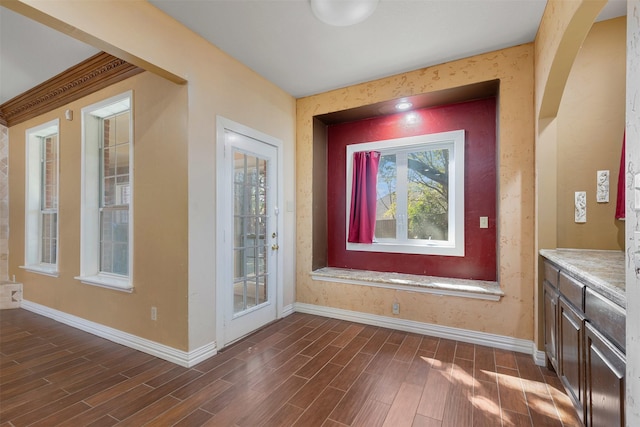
(160, 216)
(4, 203)
(513, 315)
(632, 379)
(591, 123)
(216, 85)
(562, 30)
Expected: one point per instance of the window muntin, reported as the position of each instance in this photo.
(41, 204)
(420, 188)
(107, 193)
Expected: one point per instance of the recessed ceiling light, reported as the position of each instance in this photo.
(403, 105)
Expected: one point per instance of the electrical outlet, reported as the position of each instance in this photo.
(395, 308)
(154, 313)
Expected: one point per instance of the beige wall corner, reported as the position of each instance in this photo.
(216, 84)
(513, 315)
(563, 28)
(159, 215)
(632, 386)
(4, 203)
(591, 121)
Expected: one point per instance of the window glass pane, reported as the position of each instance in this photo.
(121, 227)
(109, 126)
(251, 293)
(109, 161)
(106, 257)
(50, 172)
(428, 194)
(386, 207)
(252, 170)
(123, 192)
(109, 192)
(262, 289)
(49, 239)
(120, 259)
(122, 159)
(114, 241)
(239, 263)
(238, 231)
(122, 128)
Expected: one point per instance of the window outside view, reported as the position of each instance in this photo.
(413, 195)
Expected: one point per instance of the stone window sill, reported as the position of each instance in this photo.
(477, 289)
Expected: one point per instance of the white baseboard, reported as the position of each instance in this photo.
(288, 310)
(179, 357)
(192, 358)
(464, 335)
(539, 357)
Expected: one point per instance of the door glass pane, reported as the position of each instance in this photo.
(249, 216)
(428, 195)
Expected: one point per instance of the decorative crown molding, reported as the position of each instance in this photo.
(91, 75)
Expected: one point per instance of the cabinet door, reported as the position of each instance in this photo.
(550, 324)
(571, 355)
(605, 370)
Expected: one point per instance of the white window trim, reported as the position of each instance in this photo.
(33, 195)
(89, 202)
(455, 245)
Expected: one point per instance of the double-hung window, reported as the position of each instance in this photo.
(41, 231)
(419, 206)
(106, 220)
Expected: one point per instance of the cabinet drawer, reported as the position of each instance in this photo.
(551, 273)
(572, 290)
(607, 317)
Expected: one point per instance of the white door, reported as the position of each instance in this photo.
(248, 253)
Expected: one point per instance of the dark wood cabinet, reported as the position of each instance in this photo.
(571, 357)
(605, 370)
(550, 324)
(584, 342)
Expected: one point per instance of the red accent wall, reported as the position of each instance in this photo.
(478, 120)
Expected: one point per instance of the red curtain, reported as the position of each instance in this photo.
(620, 202)
(362, 220)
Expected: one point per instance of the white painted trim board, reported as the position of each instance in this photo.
(179, 357)
(457, 334)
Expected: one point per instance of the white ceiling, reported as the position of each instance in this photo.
(282, 41)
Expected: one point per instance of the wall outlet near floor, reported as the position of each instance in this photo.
(395, 309)
(154, 313)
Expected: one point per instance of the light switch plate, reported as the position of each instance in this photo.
(484, 222)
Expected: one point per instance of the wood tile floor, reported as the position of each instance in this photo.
(301, 371)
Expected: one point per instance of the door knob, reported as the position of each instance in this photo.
(275, 247)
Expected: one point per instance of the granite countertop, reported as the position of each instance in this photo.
(603, 271)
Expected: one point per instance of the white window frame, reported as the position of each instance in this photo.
(454, 246)
(90, 193)
(33, 198)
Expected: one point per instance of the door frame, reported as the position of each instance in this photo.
(223, 195)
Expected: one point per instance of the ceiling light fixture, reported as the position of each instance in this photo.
(403, 105)
(342, 13)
